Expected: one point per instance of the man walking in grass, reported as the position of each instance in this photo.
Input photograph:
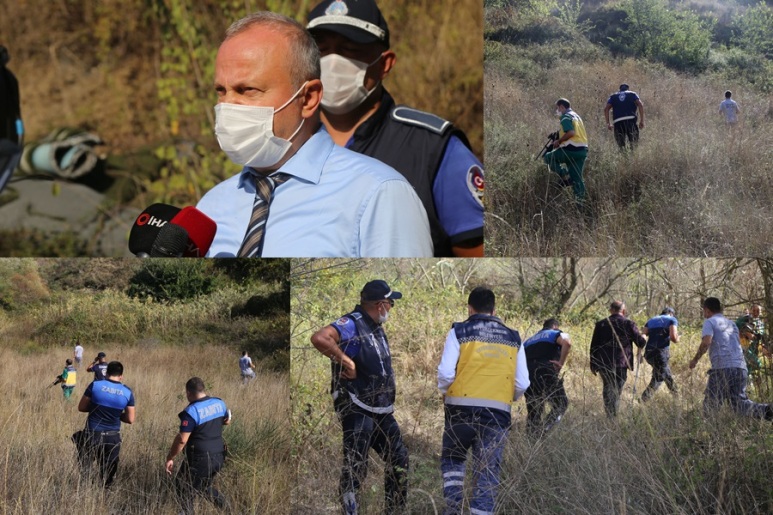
(611, 353)
(729, 108)
(482, 371)
(108, 403)
(201, 435)
(570, 150)
(546, 353)
(624, 105)
(728, 374)
(661, 331)
(68, 379)
(247, 367)
(363, 388)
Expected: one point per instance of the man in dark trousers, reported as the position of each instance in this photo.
(359, 114)
(661, 331)
(546, 354)
(624, 105)
(363, 388)
(108, 403)
(98, 367)
(611, 353)
(728, 374)
(482, 371)
(201, 434)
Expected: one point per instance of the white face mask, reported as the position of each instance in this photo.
(246, 133)
(343, 83)
(383, 318)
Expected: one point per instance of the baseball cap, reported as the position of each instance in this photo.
(101, 355)
(357, 20)
(379, 290)
(668, 310)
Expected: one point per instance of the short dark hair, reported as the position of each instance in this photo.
(563, 102)
(550, 323)
(482, 300)
(114, 368)
(194, 385)
(616, 305)
(244, 353)
(713, 304)
(68, 361)
(728, 94)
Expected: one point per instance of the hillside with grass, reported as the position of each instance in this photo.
(139, 74)
(165, 321)
(663, 457)
(692, 187)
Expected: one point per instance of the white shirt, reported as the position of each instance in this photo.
(78, 351)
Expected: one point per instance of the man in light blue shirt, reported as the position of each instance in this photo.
(728, 374)
(329, 201)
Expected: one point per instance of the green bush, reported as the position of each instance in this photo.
(170, 280)
(755, 30)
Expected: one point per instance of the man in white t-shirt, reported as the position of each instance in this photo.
(247, 367)
(78, 354)
(728, 373)
(729, 108)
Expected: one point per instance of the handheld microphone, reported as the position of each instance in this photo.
(172, 240)
(147, 226)
(201, 230)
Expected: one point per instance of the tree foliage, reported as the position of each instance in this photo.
(755, 30)
(678, 38)
(173, 280)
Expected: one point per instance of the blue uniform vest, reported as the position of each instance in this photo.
(542, 346)
(208, 415)
(658, 331)
(623, 105)
(374, 387)
(109, 399)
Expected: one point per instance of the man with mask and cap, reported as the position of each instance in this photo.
(359, 114)
(299, 194)
(363, 388)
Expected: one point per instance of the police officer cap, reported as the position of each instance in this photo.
(668, 310)
(357, 20)
(623, 87)
(379, 290)
(101, 355)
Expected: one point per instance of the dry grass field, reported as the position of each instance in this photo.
(37, 459)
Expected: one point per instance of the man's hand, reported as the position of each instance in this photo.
(556, 365)
(609, 126)
(641, 124)
(693, 363)
(348, 368)
(555, 144)
(169, 467)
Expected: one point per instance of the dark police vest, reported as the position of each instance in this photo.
(658, 332)
(10, 111)
(413, 143)
(542, 347)
(374, 387)
(208, 414)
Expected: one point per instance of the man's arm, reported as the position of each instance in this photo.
(127, 417)
(607, 108)
(326, 341)
(673, 334)
(521, 374)
(446, 369)
(567, 136)
(566, 345)
(640, 106)
(702, 348)
(84, 405)
(177, 446)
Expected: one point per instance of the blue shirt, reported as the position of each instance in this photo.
(458, 190)
(623, 105)
(336, 204)
(659, 331)
(204, 419)
(108, 400)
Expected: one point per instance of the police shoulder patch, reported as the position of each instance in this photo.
(418, 118)
(342, 321)
(475, 182)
